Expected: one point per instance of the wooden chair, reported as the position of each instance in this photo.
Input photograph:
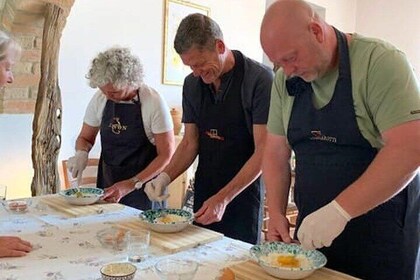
(265, 221)
(89, 174)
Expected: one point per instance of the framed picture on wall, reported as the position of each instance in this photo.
(174, 71)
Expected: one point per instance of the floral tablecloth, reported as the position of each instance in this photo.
(67, 248)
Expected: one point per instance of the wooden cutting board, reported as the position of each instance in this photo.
(250, 270)
(190, 237)
(58, 203)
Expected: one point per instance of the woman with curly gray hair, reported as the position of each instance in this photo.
(135, 126)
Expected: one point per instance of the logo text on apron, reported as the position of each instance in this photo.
(317, 135)
(214, 134)
(116, 126)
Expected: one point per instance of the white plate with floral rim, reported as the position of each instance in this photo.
(166, 220)
(287, 261)
(82, 195)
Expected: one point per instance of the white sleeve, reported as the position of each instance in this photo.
(161, 120)
(95, 109)
(155, 113)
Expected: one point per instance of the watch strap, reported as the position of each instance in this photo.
(138, 184)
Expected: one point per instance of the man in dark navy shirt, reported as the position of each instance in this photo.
(225, 108)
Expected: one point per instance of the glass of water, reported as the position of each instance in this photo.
(138, 245)
(3, 192)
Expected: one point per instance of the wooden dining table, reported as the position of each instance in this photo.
(65, 245)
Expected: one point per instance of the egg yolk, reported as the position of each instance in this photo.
(288, 261)
(165, 219)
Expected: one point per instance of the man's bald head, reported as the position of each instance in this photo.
(288, 13)
(296, 39)
(286, 18)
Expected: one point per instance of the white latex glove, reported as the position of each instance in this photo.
(321, 227)
(155, 189)
(77, 164)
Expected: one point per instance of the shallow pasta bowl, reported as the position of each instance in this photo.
(82, 195)
(287, 261)
(166, 220)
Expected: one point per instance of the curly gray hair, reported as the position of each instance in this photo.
(8, 46)
(117, 66)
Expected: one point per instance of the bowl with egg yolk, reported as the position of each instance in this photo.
(287, 261)
(83, 195)
(166, 220)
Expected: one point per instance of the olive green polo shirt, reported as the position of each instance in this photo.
(386, 92)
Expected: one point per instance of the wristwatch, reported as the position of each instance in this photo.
(138, 184)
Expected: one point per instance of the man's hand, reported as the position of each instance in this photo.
(211, 211)
(279, 228)
(77, 164)
(12, 246)
(156, 188)
(118, 190)
(321, 227)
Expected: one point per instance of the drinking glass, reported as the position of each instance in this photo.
(138, 245)
(3, 192)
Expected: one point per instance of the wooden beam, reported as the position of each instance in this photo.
(46, 138)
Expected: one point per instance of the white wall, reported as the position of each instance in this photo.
(15, 154)
(397, 22)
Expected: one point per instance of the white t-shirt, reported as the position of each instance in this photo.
(154, 111)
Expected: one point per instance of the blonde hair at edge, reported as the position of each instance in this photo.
(8, 47)
(117, 66)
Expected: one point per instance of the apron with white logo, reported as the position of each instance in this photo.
(225, 144)
(331, 153)
(126, 150)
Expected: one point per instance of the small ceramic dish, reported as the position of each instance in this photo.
(113, 238)
(17, 206)
(82, 195)
(168, 269)
(166, 220)
(118, 271)
(287, 261)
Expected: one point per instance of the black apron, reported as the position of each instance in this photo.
(126, 150)
(225, 144)
(331, 153)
